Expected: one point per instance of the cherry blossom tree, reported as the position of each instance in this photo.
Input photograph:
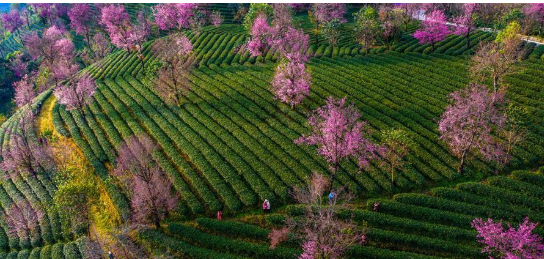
(23, 220)
(216, 18)
(45, 11)
(62, 69)
(82, 21)
(291, 83)
(257, 10)
(509, 243)
(18, 64)
(76, 95)
(433, 29)
(55, 50)
(122, 32)
(150, 189)
(338, 134)
(174, 16)
(536, 12)
(470, 122)
(395, 146)
(367, 27)
(116, 22)
(12, 21)
(465, 24)
(139, 35)
(24, 156)
(25, 91)
(100, 46)
(171, 81)
(25, 13)
(282, 18)
(292, 44)
(260, 31)
(323, 234)
(322, 13)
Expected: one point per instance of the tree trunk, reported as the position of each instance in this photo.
(460, 168)
(540, 28)
(334, 175)
(433, 46)
(157, 222)
(495, 86)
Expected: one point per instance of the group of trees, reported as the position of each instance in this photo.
(273, 28)
(479, 119)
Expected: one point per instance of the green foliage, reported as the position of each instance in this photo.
(73, 201)
(331, 31)
(511, 32)
(367, 26)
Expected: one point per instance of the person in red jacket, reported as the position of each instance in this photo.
(219, 215)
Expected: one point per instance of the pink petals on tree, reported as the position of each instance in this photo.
(117, 23)
(260, 33)
(80, 18)
(174, 16)
(24, 91)
(148, 186)
(291, 83)
(12, 20)
(338, 134)
(75, 95)
(509, 243)
(325, 13)
(471, 121)
(433, 29)
(465, 24)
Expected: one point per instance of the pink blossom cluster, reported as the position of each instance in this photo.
(216, 18)
(433, 28)
(178, 16)
(466, 22)
(24, 91)
(510, 243)
(122, 32)
(309, 248)
(339, 134)
(76, 95)
(117, 23)
(80, 18)
(291, 43)
(12, 20)
(470, 121)
(291, 83)
(325, 13)
(260, 31)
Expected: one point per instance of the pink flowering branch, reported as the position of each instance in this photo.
(509, 243)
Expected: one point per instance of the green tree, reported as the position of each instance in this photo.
(73, 202)
(395, 146)
(367, 27)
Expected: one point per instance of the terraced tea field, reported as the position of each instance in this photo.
(231, 144)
